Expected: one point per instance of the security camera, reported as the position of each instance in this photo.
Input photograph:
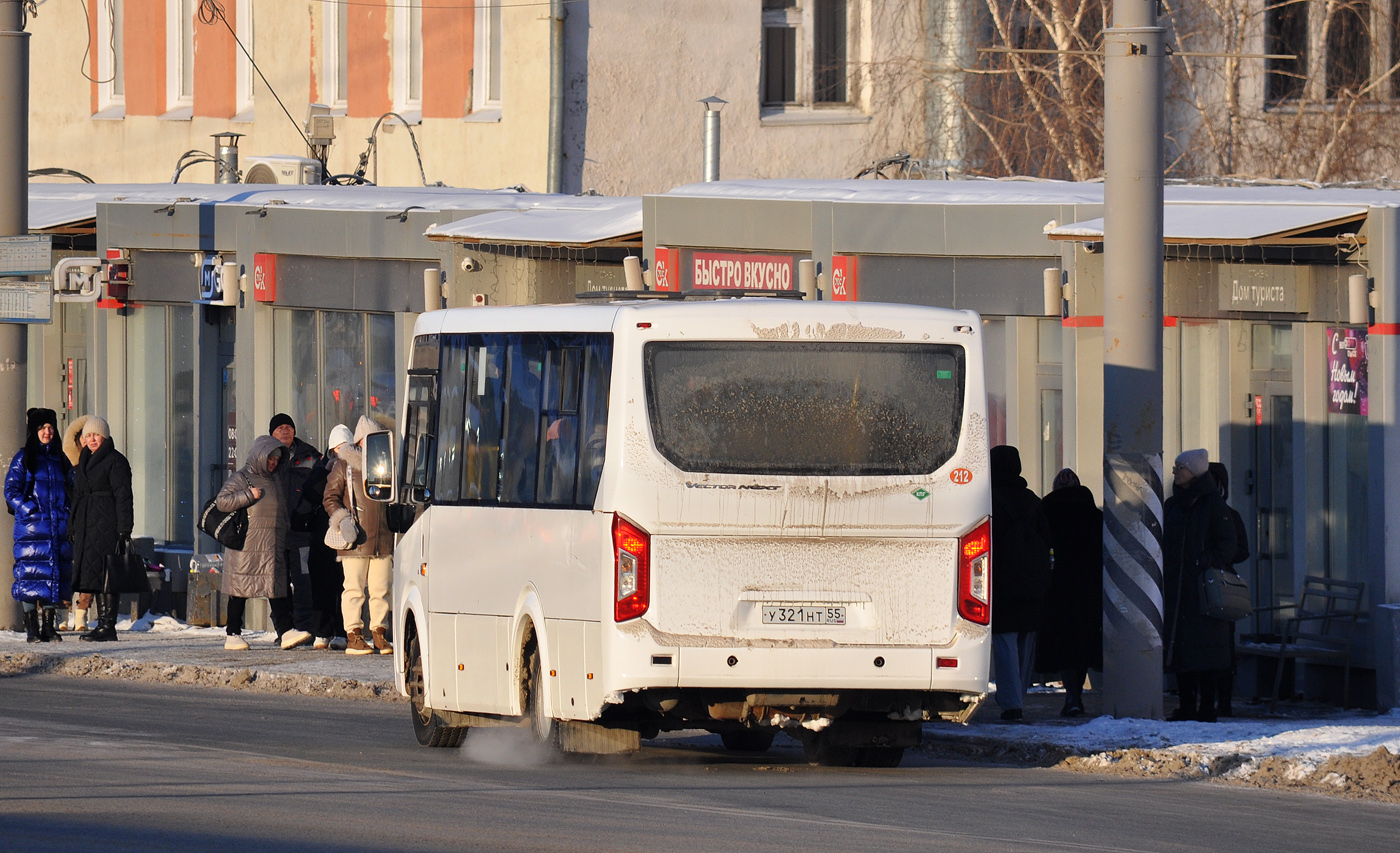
(470, 264)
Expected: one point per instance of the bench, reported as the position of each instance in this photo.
(1320, 629)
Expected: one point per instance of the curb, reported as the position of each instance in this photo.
(244, 678)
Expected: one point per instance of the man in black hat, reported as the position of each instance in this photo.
(304, 478)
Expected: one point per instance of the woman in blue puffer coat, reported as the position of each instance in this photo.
(37, 487)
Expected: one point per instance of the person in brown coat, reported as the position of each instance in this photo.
(259, 569)
(371, 563)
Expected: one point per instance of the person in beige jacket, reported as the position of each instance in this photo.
(370, 564)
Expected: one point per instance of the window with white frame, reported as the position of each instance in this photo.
(179, 56)
(408, 58)
(486, 65)
(243, 68)
(336, 76)
(111, 74)
(804, 53)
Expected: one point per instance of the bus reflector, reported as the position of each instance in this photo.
(974, 574)
(947, 663)
(632, 555)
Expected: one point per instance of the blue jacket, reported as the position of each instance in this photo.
(39, 501)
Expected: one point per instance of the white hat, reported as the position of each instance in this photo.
(1196, 461)
(340, 434)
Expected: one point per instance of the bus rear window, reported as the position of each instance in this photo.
(805, 408)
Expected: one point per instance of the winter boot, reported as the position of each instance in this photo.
(48, 630)
(355, 643)
(1187, 683)
(31, 626)
(79, 615)
(106, 630)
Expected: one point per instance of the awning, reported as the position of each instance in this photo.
(614, 222)
(1237, 225)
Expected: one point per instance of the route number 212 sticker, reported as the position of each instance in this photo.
(961, 476)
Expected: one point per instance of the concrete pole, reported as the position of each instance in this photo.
(14, 221)
(1132, 365)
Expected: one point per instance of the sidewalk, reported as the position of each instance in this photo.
(162, 650)
(1306, 747)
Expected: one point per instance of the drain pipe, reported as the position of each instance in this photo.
(555, 178)
(713, 105)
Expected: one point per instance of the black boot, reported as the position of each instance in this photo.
(31, 626)
(48, 631)
(1187, 683)
(106, 630)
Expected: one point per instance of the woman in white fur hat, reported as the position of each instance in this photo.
(369, 566)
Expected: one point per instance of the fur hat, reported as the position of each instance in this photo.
(1196, 461)
(97, 425)
(340, 434)
(36, 418)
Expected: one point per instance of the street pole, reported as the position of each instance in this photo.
(1132, 364)
(14, 221)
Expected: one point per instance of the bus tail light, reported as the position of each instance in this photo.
(975, 574)
(632, 553)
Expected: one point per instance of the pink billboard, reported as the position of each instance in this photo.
(1346, 371)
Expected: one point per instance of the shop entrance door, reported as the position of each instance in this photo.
(1272, 489)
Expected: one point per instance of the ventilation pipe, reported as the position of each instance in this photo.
(226, 158)
(807, 278)
(713, 105)
(632, 273)
(1358, 300)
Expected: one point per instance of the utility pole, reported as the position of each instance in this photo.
(14, 221)
(1132, 363)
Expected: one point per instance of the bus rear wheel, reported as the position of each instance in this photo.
(540, 724)
(428, 727)
(748, 740)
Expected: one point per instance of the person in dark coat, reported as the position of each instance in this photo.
(37, 487)
(315, 575)
(1020, 577)
(102, 518)
(1226, 686)
(1071, 635)
(1198, 534)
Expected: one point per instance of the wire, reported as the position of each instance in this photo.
(87, 46)
(359, 173)
(53, 172)
(211, 11)
(193, 157)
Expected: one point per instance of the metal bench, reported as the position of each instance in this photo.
(1320, 629)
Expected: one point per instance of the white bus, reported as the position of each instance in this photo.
(739, 515)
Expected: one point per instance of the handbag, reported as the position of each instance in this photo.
(1224, 595)
(125, 571)
(230, 529)
(335, 536)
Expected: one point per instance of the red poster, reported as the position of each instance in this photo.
(264, 277)
(844, 282)
(1258, 410)
(725, 271)
(666, 270)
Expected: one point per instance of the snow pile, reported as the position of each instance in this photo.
(1353, 753)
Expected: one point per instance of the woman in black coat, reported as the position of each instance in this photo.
(1071, 634)
(1198, 534)
(1020, 575)
(102, 517)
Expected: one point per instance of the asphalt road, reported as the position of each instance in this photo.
(101, 765)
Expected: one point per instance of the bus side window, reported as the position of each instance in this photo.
(559, 424)
(451, 409)
(481, 470)
(521, 427)
(593, 416)
(418, 443)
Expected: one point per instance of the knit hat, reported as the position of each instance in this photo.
(278, 420)
(97, 425)
(364, 427)
(36, 418)
(1065, 479)
(1196, 461)
(340, 434)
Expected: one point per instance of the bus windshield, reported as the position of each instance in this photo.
(805, 408)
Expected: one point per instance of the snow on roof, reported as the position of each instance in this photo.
(900, 192)
(561, 221)
(1227, 223)
(53, 205)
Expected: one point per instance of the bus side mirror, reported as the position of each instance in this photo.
(380, 474)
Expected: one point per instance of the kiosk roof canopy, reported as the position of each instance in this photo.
(561, 221)
(1234, 224)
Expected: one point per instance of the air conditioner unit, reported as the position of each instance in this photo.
(281, 169)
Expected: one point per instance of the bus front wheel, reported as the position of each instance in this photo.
(428, 727)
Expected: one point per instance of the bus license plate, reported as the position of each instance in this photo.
(803, 615)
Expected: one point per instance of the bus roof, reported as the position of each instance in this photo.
(604, 317)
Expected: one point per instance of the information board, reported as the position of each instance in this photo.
(27, 254)
(26, 301)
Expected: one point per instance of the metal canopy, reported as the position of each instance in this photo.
(582, 223)
(1239, 225)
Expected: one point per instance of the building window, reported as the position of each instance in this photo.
(804, 53)
(111, 73)
(1349, 49)
(486, 66)
(332, 367)
(337, 53)
(179, 57)
(408, 58)
(160, 420)
(1286, 33)
(243, 67)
